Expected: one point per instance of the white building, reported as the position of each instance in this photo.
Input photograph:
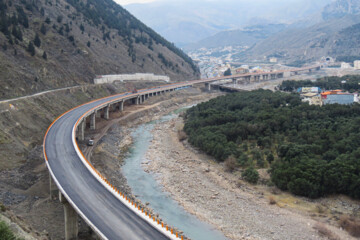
(357, 64)
(273, 60)
(345, 65)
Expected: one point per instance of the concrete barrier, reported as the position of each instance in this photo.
(130, 77)
(123, 198)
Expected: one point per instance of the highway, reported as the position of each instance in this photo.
(110, 216)
(94, 199)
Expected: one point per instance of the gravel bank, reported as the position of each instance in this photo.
(201, 186)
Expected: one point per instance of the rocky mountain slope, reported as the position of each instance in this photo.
(48, 44)
(341, 8)
(244, 37)
(335, 36)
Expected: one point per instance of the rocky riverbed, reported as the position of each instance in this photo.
(203, 188)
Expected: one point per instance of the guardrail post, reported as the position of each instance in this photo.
(71, 219)
(106, 112)
(92, 121)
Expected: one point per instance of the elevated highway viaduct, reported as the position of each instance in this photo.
(84, 191)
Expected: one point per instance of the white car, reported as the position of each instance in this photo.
(90, 142)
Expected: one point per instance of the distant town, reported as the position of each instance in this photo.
(217, 62)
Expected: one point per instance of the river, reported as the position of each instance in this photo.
(147, 189)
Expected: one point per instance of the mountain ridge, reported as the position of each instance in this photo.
(335, 36)
(50, 44)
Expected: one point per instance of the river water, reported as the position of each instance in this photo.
(146, 188)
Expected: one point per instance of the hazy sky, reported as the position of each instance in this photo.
(125, 2)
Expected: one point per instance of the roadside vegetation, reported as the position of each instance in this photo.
(351, 83)
(6, 233)
(310, 151)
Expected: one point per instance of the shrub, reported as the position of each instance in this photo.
(324, 231)
(2, 207)
(351, 225)
(272, 200)
(5, 232)
(181, 135)
(230, 164)
(251, 175)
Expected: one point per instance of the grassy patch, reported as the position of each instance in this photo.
(4, 138)
(6, 233)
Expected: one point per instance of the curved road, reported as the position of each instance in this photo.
(102, 210)
(105, 212)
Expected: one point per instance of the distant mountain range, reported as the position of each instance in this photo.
(336, 36)
(341, 8)
(189, 21)
(246, 37)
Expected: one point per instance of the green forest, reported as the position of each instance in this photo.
(326, 83)
(310, 150)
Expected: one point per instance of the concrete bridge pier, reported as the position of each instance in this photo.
(53, 188)
(71, 219)
(82, 130)
(106, 112)
(92, 121)
(208, 86)
(121, 106)
(286, 74)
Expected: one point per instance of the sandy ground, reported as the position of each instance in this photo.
(203, 188)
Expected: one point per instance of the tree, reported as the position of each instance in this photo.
(31, 49)
(251, 175)
(59, 19)
(44, 56)
(88, 44)
(37, 40)
(270, 158)
(16, 32)
(43, 29)
(227, 72)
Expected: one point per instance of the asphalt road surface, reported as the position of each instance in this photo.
(110, 216)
